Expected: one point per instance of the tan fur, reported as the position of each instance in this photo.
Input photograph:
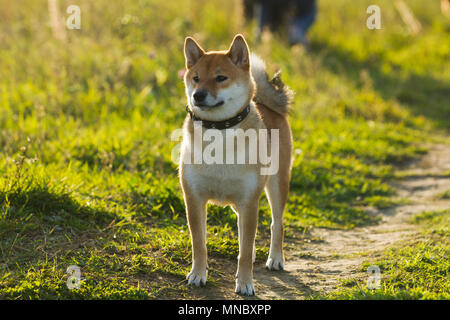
(211, 65)
(274, 93)
(237, 185)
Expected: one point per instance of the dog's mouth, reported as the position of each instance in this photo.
(207, 106)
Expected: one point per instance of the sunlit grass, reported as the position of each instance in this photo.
(415, 270)
(86, 175)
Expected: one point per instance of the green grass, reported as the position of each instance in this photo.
(444, 195)
(383, 202)
(417, 270)
(86, 175)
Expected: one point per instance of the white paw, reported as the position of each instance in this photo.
(197, 278)
(245, 288)
(275, 263)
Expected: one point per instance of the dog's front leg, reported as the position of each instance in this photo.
(196, 215)
(247, 224)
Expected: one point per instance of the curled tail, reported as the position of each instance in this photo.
(272, 93)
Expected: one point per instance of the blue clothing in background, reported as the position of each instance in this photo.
(271, 14)
(300, 24)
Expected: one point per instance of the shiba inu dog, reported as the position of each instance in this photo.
(230, 90)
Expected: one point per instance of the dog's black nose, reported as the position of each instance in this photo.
(200, 95)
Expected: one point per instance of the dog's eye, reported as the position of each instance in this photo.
(195, 79)
(221, 78)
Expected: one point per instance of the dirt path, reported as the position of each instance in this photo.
(317, 266)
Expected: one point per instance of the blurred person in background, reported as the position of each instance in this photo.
(445, 8)
(271, 15)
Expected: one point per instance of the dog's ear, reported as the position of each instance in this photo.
(239, 52)
(192, 52)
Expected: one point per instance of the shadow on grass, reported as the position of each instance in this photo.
(221, 285)
(37, 205)
(424, 95)
(285, 284)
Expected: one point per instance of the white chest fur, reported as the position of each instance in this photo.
(222, 183)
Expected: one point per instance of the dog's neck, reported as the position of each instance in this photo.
(224, 124)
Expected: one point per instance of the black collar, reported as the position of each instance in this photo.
(221, 124)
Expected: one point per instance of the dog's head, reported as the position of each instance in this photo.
(218, 83)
